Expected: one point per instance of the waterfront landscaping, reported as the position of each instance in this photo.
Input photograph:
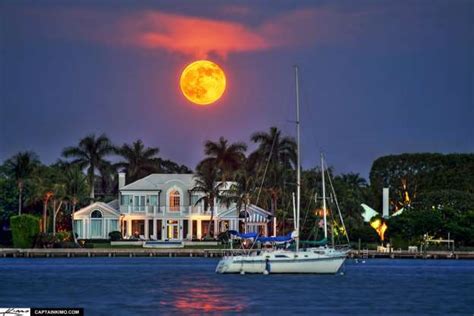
(435, 191)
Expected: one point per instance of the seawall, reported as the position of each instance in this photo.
(139, 252)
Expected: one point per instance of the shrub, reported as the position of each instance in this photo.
(24, 230)
(223, 237)
(208, 238)
(45, 240)
(5, 234)
(115, 235)
(63, 236)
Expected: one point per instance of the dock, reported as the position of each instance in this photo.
(208, 253)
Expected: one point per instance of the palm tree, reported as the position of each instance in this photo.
(243, 189)
(42, 190)
(352, 191)
(353, 179)
(280, 149)
(226, 158)
(91, 154)
(139, 161)
(278, 154)
(76, 188)
(207, 183)
(21, 167)
(168, 166)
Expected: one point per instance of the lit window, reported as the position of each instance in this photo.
(175, 200)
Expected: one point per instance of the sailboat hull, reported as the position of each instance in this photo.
(283, 262)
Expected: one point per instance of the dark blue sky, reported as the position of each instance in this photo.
(377, 77)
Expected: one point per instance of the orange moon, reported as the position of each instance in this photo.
(203, 82)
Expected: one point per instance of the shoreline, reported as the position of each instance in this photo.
(208, 253)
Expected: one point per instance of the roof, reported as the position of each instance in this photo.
(114, 204)
(157, 181)
(256, 214)
(97, 205)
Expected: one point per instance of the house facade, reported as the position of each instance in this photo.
(164, 207)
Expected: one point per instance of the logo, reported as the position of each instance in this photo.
(15, 311)
(27, 311)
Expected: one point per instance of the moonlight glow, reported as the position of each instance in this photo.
(203, 82)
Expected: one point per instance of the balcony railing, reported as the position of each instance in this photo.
(153, 210)
(174, 209)
(148, 209)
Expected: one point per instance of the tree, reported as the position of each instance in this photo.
(168, 166)
(280, 149)
(139, 161)
(8, 198)
(20, 167)
(277, 155)
(76, 190)
(351, 191)
(207, 183)
(43, 185)
(243, 189)
(407, 175)
(227, 158)
(90, 154)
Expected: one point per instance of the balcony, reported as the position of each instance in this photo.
(143, 209)
(174, 209)
(199, 210)
(154, 210)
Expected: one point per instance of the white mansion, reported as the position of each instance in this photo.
(163, 207)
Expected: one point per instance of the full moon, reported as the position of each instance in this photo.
(202, 82)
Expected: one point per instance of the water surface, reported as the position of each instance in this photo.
(152, 286)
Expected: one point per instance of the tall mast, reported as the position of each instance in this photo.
(298, 160)
(324, 197)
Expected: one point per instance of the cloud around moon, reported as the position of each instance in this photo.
(189, 35)
(239, 29)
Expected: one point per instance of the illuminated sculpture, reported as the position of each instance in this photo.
(373, 217)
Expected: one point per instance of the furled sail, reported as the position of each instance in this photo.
(276, 239)
(243, 235)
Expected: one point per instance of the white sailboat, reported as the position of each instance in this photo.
(324, 260)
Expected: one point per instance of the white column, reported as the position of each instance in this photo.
(190, 229)
(129, 227)
(199, 226)
(83, 228)
(155, 231)
(274, 226)
(164, 235)
(104, 226)
(147, 231)
(88, 229)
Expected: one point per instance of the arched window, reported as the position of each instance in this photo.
(174, 200)
(96, 214)
(96, 224)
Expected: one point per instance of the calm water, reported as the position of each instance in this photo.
(146, 286)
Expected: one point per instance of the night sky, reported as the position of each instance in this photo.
(377, 77)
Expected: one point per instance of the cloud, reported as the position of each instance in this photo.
(200, 36)
(178, 33)
(191, 35)
(232, 29)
